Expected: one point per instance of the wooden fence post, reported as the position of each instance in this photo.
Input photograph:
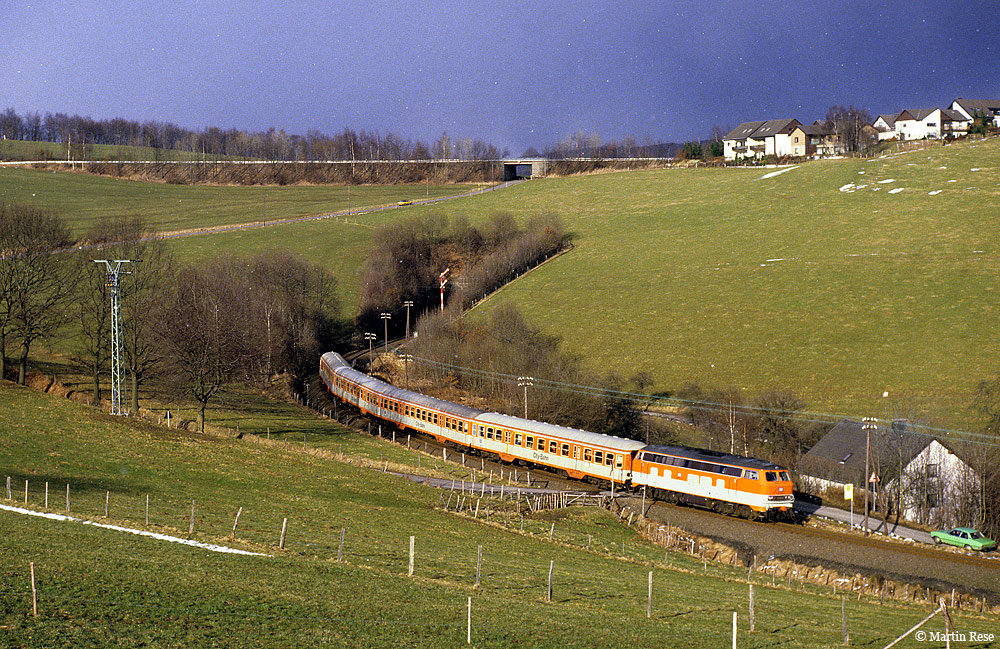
(479, 564)
(8, 489)
(411, 556)
(734, 629)
(468, 633)
(47, 501)
(237, 521)
(67, 497)
(649, 597)
(548, 595)
(340, 549)
(147, 510)
(751, 610)
(25, 492)
(843, 621)
(284, 530)
(34, 592)
(107, 503)
(191, 527)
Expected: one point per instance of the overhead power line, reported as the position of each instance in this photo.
(700, 405)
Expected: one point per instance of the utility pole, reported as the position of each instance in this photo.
(408, 304)
(370, 337)
(869, 424)
(524, 382)
(112, 283)
(385, 319)
(407, 359)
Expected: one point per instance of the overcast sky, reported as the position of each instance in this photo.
(517, 74)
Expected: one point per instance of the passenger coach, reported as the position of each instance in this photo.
(729, 484)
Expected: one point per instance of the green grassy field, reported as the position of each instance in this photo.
(101, 588)
(724, 277)
(730, 278)
(34, 151)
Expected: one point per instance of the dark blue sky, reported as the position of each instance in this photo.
(514, 73)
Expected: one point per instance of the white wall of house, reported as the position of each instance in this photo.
(886, 131)
(939, 489)
(782, 144)
(728, 148)
(914, 129)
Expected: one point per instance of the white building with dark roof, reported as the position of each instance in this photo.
(990, 108)
(756, 139)
(938, 486)
(886, 126)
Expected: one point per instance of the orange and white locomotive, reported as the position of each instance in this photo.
(727, 483)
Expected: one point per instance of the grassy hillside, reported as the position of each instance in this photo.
(728, 277)
(100, 588)
(738, 277)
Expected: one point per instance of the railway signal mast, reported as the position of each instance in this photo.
(444, 282)
(115, 269)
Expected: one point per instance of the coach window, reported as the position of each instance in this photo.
(750, 475)
(599, 457)
(772, 476)
(565, 450)
(489, 433)
(541, 443)
(576, 452)
(588, 455)
(618, 461)
(506, 436)
(517, 439)
(609, 459)
(435, 418)
(529, 441)
(553, 446)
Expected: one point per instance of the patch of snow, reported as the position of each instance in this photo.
(153, 535)
(887, 180)
(934, 193)
(974, 169)
(896, 191)
(953, 181)
(778, 172)
(849, 187)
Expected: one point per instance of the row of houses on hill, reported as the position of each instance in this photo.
(791, 138)
(780, 138)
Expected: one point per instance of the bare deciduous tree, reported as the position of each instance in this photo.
(38, 281)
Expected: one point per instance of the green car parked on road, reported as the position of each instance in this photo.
(963, 537)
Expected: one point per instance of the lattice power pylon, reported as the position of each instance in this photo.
(114, 269)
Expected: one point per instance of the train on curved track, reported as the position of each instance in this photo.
(729, 484)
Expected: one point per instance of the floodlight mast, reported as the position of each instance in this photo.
(112, 283)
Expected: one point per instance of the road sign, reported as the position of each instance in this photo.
(849, 491)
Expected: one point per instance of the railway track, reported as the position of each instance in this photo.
(808, 544)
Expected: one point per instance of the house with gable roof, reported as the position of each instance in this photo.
(990, 108)
(816, 139)
(938, 486)
(756, 139)
(885, 125)
(931, 123)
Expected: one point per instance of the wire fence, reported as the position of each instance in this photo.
(668, 554)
